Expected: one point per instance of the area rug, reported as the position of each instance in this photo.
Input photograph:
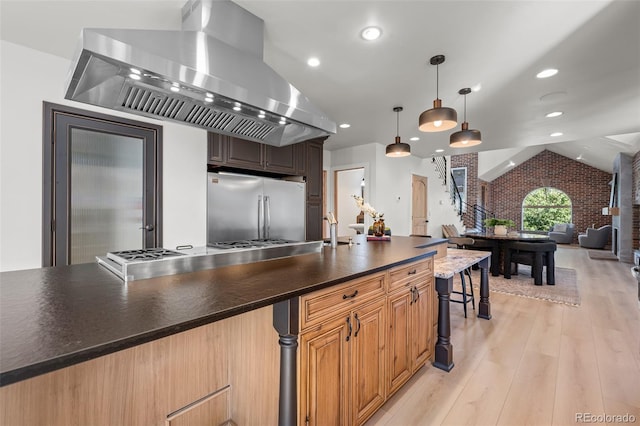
(602, 255)
(565, 291)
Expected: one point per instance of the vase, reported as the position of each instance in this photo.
(378, 228)
(500, 230)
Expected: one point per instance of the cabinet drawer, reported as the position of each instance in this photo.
(414, 272)
(317, 306)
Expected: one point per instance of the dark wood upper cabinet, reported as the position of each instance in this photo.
(227, 151)
(281, 159)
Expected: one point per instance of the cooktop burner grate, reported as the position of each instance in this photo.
(248, 243)
(142, 254)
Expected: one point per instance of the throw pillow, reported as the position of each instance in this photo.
(560, 227)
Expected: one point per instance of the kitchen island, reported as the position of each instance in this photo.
(60, 323)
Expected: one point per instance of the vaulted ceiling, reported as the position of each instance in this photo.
(497, 45)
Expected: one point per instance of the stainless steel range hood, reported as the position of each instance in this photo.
(209, 75)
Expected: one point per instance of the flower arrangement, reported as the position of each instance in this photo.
(367, 208)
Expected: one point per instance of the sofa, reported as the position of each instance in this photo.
(595, 238)
(562, 233)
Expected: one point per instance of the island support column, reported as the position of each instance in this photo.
(443, 358)
(285, 321)
(484, 306)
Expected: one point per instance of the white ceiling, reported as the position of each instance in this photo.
(500, 45)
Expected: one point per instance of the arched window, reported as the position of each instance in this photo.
(544, 207)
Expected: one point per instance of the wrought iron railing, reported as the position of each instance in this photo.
(468, 213)
(441, 167)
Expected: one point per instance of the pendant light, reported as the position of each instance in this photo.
(465, 137)
(438, 118)
(398, 149)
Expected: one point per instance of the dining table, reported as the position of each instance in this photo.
(497, 243)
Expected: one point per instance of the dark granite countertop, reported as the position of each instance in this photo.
(55, 317)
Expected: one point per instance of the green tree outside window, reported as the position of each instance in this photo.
(544, 207)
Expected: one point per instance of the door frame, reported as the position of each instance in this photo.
(51, 113)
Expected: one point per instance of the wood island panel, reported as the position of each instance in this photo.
(154, 382)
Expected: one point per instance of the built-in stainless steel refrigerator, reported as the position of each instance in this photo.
(242, 207)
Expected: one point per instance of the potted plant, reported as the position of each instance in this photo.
(499, 225)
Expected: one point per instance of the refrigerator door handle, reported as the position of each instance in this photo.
(260, 216)
(267, 216)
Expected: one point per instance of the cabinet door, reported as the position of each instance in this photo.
(280, 159)
(314, 170)
(314, 221)
(324, 374)
(367, 360)
(243, 153)
(215, 148)
(422, 330)
(399, 339)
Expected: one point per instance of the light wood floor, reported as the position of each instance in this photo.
(536, 362)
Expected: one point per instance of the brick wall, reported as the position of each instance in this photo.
(587, 187)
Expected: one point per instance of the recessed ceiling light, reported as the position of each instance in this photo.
(371, 33)
(579, 157)
(345, 125)
(439, 150)
(134, 76)
(313, 62)
(476, 88)
(237, 106)
(511, 164)
(549, 72)
(261, 114)
(554, 114)
(415, 138)
(135, 71)
(555, 134)
(175, 87)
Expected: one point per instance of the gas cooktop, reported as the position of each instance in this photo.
(137, 264)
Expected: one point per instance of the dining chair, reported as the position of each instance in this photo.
(538, 255)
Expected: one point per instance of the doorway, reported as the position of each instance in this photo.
(102, 185)
(419, 213)
(347, 183)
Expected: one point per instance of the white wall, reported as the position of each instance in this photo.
(388, 187)
(29, 77)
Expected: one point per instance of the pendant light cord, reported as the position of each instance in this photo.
(465, 107)
(397, 123)
(437, 81)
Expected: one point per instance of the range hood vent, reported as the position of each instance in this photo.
(209, 75)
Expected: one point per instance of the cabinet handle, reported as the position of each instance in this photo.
(412, 272)
(413, 296)
(350, 328)
(351, 296)
(357, 327)
(417, 293)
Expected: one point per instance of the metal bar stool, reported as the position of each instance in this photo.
(467, 297)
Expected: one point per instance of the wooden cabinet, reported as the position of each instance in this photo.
(409, 305)
(242, 154)
(342, 347)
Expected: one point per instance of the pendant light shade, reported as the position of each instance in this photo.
(398, 149)
(465, 137)
(438, 118)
